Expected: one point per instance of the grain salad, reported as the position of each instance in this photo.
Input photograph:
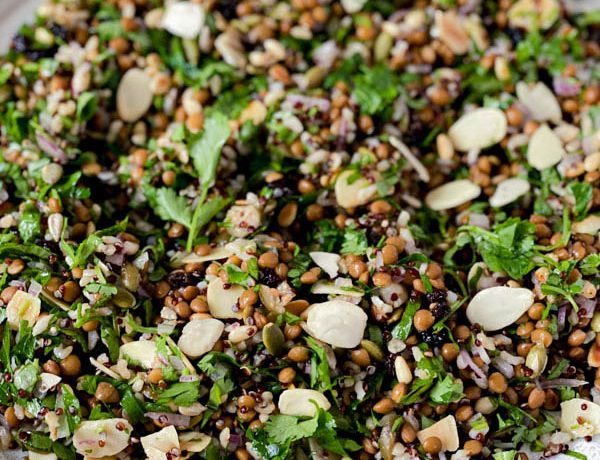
(305, 229)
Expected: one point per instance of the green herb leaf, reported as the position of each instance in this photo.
(446, 391)
(402, 330)
(87, 103)
(205, 149)
(173, 207)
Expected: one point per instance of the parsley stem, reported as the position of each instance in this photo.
(194, 227)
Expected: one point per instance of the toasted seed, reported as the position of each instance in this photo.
(373, 349)
(273, 339)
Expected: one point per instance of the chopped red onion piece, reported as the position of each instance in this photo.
(167, 418)
(563, 383)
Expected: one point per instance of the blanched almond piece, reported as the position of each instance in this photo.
(497, 307)
(337, 322)
(157, 445)
(452, 194)
(508, 191)
(113, 432)
(301, 402)
(357, 193)
(545, 149)
(328, 261)
(445, 430)
(193, 441)
(184, 19)
(221, 301)
(478, 129)
(36, 456)
(580, 417)
(22, 307)
(540, 101)
(140, 353)
(403, 372)
(199, 336)
(452, 31)
(590, 225)
(134, 96)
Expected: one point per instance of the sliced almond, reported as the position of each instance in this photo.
(590, 225)
(452, 194)
(328, 261)
(218, 253)
(403, 372)
(337, 322)
(199, 336)
(497, 307)
(193, 441)
(134, 96)
(141, 353)
(37, 456)
(329, 288)
(533, 14)
(222, 302)
(243, 220)
(22, 307)
(580, 417)
(452, 31)
(183, 19)
(445, 430)
(478, 129)
(539, 101)
(545, 149)
(157, 445)
(509, 191)
(357, 193)
(419, 167)
(102, 438)
(301, 402)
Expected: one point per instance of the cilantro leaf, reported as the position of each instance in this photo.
(589, 265)
(402, 329)
(375, 89)
(446, 391)
(355, 241)
(182, 394)
(205, 149)
(173, 207)
(582, 193)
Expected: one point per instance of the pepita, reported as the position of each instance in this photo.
(273, 339)
(373, 349)
(536, 359)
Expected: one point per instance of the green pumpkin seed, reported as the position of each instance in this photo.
(130, 277)
(314, 77)
(536, 360)
(373, 349)
(383, 45)
(123, 298)
(273, 339)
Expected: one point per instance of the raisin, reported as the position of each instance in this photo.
(269, 277)
(178, 279)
